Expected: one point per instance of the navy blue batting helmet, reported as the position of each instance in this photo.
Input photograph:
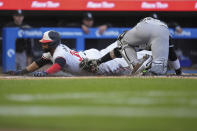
(52, 38)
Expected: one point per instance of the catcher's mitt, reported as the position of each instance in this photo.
(89, 65)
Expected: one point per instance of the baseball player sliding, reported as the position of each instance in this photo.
(67, 60)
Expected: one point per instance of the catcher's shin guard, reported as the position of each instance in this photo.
(124, 54)
(128, 53)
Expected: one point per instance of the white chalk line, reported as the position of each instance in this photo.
(104, 111)
(139, 98)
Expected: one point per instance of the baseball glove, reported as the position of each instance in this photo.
(89, 65)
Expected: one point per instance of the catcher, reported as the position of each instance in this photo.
(151, 34)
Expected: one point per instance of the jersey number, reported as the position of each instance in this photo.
(76, 54)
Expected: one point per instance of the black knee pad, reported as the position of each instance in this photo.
(117, 52)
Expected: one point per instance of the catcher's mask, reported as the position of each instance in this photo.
(50, 38)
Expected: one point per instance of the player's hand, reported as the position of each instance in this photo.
(89, 65)
(15, 73)
(40, 74)
(102, 29)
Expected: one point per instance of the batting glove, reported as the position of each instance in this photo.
(40, 74)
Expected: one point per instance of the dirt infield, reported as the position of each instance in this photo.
(8, 77)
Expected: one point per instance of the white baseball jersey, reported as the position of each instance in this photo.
(72, 58)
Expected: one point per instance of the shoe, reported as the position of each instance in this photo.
(178, 72)
(146, 62)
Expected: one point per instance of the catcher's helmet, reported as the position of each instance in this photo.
(51, 38)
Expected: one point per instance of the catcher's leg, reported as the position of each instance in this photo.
(173, 60)
(130, 56)
(160, 50)
(128, 53)
(127, 42)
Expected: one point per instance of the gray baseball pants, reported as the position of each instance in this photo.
(148, 35)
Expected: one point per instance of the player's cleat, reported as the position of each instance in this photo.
(144, 64)
(178, 72)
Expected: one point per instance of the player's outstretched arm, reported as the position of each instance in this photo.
(32, 67)
(56, 67)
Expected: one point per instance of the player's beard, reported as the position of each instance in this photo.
(46, 50)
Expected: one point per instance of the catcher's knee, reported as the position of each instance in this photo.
(122, 35)
(121, 43)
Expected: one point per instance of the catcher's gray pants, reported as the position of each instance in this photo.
(148, 35)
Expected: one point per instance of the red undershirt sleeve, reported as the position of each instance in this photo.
(57, 66)
(54, 68)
